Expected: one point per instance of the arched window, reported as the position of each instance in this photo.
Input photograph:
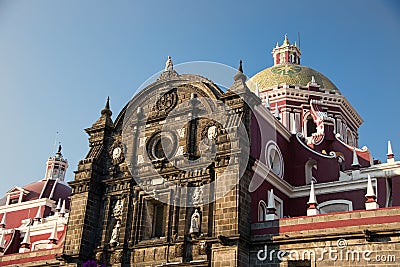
(311, 126)
(292, 58)
(262, 211)
(336, 205)
(278, 59)
(273, 158)
(163, 147)
(349, 137)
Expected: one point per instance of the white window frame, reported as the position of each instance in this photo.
(336, 201)
(262, 211)
(279, 209)
(271, 145)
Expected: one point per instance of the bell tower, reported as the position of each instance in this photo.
(286, 53)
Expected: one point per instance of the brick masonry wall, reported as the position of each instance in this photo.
(358, 238)
(36, 258)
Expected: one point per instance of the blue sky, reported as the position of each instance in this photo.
(59, 60)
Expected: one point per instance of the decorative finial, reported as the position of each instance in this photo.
(312, 199)
(286, 41)
(267, 104)
(58, 154)
(312, 202)
(106, 110)
(271, 202)
(356, 163)
(312, 82)
(62, 211)
(371, 203)
(370, 189)
(53, 236)
(239, 75)
(271, 208)
(107, 103)
(390, 155)
(27, 238)
(169, 66)
(58, 208)
(240, 69)
(277, 112)
(277, 45)
(38, 216)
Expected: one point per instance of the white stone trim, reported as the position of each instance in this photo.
(269, 147)
(47, 226)
(331, 155)
(34, 244)
(384, 170)
(279, 210)
(44, 187)
(303, 191)
(27, 205)
(262, 207)
(266, 114)
(328, 99)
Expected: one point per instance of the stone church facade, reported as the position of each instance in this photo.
(191, 175)
(132, 205)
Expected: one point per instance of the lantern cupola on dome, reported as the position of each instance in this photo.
(56, 166)
(286, 53)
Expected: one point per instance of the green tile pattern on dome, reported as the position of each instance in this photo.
(292, 75)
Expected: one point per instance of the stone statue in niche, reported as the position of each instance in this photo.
(212, 133)
(115, 234)
(207, 145)
(195, 222)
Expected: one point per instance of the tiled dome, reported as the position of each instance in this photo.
(291, 74)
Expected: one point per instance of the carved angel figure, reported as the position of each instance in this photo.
(117, 211)
(197, 197)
